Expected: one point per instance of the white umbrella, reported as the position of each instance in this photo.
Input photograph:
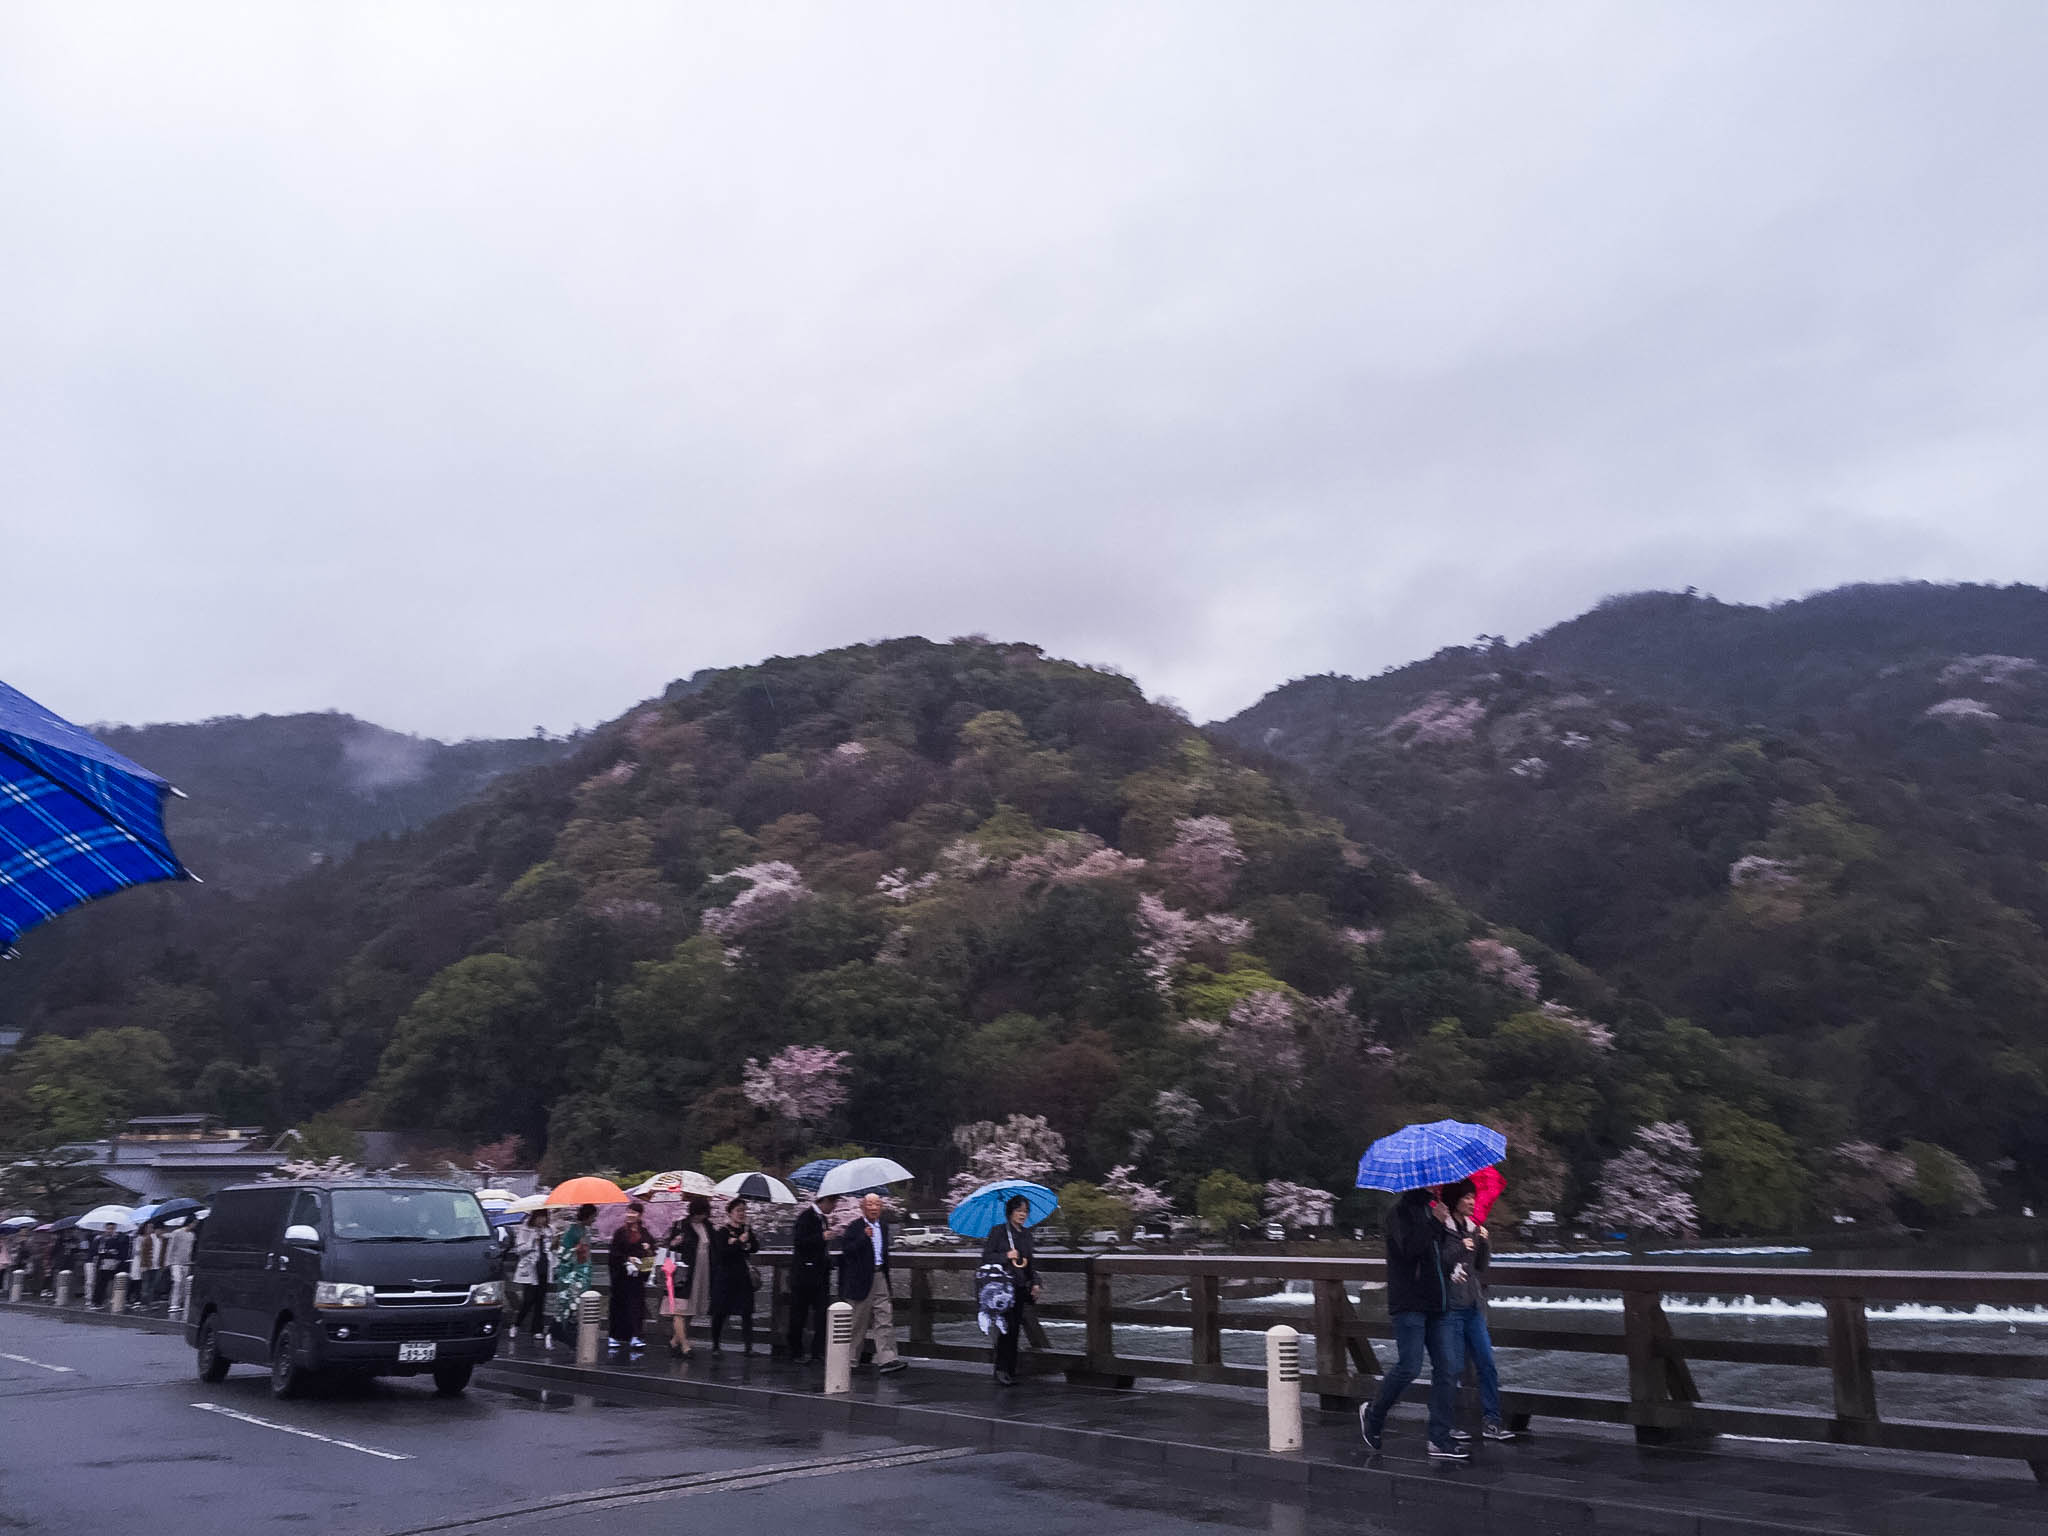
(757, 1187)
(530, 1203)
(495, 1199)
(104, 1215)
(862, 1173)
(681, 1181)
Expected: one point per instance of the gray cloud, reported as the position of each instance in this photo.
(468, 367)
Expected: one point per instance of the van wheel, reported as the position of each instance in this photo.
(451, 1379)
(213, 1365)
(287, 1377)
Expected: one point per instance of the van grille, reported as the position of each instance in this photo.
(408, 1296)
(411, 1327)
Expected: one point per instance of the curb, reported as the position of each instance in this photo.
(78, 1314)
(1371, 1489)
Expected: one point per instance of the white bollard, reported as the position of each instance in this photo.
(61, 1292)
(589, 1327)
(14, 1285)
(117, 1298)
(839, 1347)
(1283, 1389)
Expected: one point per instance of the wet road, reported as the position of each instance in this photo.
(109, 1429)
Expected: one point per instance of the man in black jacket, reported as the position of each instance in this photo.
(864, 1281)
(810, 1279)
(1422, 1250)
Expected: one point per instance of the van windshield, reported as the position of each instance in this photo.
(407, 1215)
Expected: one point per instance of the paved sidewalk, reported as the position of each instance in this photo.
(1555, 1479)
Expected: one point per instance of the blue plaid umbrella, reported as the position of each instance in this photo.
(812, 1174)
(1418, 1156)
(77, 820)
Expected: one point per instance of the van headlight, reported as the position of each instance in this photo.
(490, 1294)
(329, 1294)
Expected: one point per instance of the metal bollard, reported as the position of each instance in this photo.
(117, 1298)
(14, 1285)
(61, 1293)
(1283, 1389)
(589, 1327)
(839, 1347)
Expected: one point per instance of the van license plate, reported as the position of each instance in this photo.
(415, 1351)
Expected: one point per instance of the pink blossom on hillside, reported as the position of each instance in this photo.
(1865, 1179)
(1364, 938)
(962, 859)
(1297, 1207)
(1021, 1147)
(1599, 1036)
(1755, 869)
(848, 753)
(895, 948)
(773, 889)
(1504, 964)
(1179, 1114)
(1144, 1201)
(1961, 709)
(801, 1083)
(1204, 857)
(1066, 859)
(1648, 1188)
(1437, 721)
(1989, 669)
(1264, 1038)
(897, 885)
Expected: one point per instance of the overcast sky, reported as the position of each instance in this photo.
(473, 367)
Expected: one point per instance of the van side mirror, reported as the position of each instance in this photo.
(303, 1235)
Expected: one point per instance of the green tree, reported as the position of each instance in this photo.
(1750, 1177)
(724, 1160)
(1943, 1185)
(471, 1056)
(1086, 1208)
(1224, 1202)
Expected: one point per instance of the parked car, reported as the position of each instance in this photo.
(375, 1279)
(927, 1237)
(1274, 1232)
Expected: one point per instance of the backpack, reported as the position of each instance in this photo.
(994, 1291)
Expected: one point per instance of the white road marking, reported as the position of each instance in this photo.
(40, 1365)
(304, 1434)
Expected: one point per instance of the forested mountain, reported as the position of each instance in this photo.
(1776, 953)
(1818, 829)
(269, 796)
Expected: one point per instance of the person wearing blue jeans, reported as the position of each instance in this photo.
(1421, 1253)
(1468, 1309)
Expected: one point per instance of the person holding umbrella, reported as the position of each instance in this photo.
(530, 1273)
(810, 1279)
(572, 1272)
(631, 1260)
(1010, 1245)
(1423, 1249)
(733, 1245)
(1468, 1307)
(864, 1277)
(689, 1242)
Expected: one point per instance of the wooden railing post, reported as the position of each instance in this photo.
(1332, 1359)
(1849, 1361)
(920, 1305)
(1204, 1302)
(1659, 1380)
(1102, 1369)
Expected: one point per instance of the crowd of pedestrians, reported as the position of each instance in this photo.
(153, 1259)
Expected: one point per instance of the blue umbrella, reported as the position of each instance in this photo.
(77, 820)
(1441, 1152)
(982, 1212)
(812, 1174)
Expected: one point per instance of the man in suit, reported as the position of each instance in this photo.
(810, 1279)
(864, 1281)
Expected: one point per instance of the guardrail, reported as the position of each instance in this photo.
(1663, 1403)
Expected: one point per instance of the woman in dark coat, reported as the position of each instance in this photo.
(690, 1241)
(1011, 1246)
(632, 1260)
(733, 1245)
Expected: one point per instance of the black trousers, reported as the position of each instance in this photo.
(533, 1308)
(1008, 1340)
(808, 1299)
(746, 1324)
(629, 1308)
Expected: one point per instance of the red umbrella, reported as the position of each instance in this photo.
(1487, 1184)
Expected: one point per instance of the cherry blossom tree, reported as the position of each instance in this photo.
(297, 1169)
(1204, 858)
(1504, 964)
(1865, 1179)
(1179, 1114)
(1021, 1147)
(1145, 1202)
(1648, 1188)
(1070, 858)
(1298, 1207)
(773, 889)
(1595, 1034)
(1166, 934)
(801, 1083)
(1263, 1039)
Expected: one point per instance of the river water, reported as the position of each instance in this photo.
(1761, 1318)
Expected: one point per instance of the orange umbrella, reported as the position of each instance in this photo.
(587, 1191)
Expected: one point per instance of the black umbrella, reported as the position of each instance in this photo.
(757, 1187)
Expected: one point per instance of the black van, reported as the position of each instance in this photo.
(380, 1279)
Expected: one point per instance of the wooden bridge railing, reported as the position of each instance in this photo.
(1662, 1403)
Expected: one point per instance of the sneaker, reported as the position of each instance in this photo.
(1461, 1435)
(1372, 1437)
(892, 1367)
(1498, 1431)
(1451, 1452)
(639, 1344)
